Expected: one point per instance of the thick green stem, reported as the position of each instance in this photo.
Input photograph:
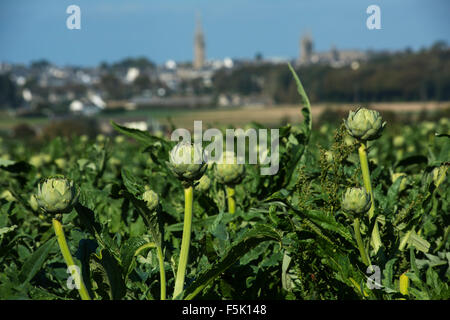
(366, 176)
(231, 202)
(360, 243)
(57, 226)
(162, 273)
(185, 242)
(376, 240)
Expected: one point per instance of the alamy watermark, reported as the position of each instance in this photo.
(74, 20)
(74, 280)
(374, 20)
(374, 280)
(259, 152)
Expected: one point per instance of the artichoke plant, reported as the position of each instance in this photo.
(364, 124)
(228, 173)
(186, 162)
(356, 201)
(57, 195)
(151, 199)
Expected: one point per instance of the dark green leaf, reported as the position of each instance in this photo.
(247, 242)
(36, 261)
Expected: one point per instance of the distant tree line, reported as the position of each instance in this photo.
(140, 63)
(401, 76)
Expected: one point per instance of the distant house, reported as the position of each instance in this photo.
(90, 105)
(228, 100)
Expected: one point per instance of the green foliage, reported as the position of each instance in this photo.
(288, 239)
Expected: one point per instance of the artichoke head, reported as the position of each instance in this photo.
(151, 199)
(364, 124)
(186, 162)
(56, 195)
(356, 201)
(229, 172)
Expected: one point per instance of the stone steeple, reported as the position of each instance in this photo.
(199, 46)
(306, 49)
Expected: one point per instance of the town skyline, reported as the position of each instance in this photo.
(161, 32)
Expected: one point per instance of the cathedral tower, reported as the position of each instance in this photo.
(199, 46)
(306, 49)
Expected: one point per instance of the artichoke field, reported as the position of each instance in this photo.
(356, 211)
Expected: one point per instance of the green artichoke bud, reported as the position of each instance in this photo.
(439, 174)
(203, 184)
(329, 156)
(61, 163)
(186, 162)
(444, 121)
(411, 149)
(356, 201)
(324, 129)
(428, 126)
(100, 138)
(349, 140)
(33, 203)
(151, 199)
(229, 173)
(364, 124)
(398, 141)
(57, 195)
(403, 177)
(119, 139)
(39, 160)
(159, 134)
(5, 157)
(84, 138)
(114, 162)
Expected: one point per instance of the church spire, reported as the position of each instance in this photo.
(306, 48)
(199, 45)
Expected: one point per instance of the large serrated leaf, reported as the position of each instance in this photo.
(36, 261)
(135, 188)
(14, 166)
(306, 109)
(108, 274)
(130, 249)
(392, 194)
(388, 275)
(418, 242)
(328, 222)
(248, 241)
(143, 137)
(298, 139)
(288, 278)
(414, 275)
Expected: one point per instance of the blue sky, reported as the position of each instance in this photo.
(163, 29)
